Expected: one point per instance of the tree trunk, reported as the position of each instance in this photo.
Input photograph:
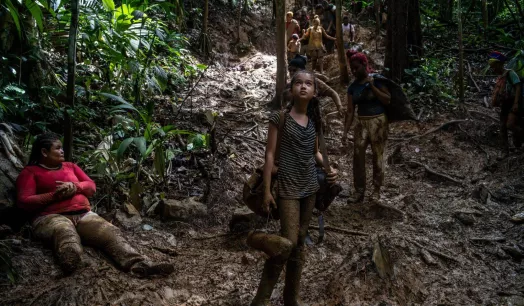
(342, 64)
(517, 20)
(71, 71)
(415, 46)
(446, 10)
(281, 52)
(461, 54)
(485, 17)
(239, 17)
(396, 44)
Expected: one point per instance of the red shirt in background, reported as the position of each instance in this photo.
(36, 187)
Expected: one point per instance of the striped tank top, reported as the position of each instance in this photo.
(297, 176)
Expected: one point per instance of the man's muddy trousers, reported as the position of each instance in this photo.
(295, 215)
(369, 131)
(66, 233)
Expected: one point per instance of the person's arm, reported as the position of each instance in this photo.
(381, 92)
(326, 90)
(350, 114)
(272, 135)
(86, 185)
(304, 35)
(326, 35)
(27, 199)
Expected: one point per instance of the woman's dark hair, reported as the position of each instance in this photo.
(42, 141)
(313, 108)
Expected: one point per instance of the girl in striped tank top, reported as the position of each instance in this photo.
(297, 183)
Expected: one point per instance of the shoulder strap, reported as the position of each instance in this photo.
(281, 124)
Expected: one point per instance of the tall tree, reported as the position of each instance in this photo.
(205, 42)
(344, 76)
(281, 52)
(415, 29)
(485, 17)
(71, 72)
(397, 39)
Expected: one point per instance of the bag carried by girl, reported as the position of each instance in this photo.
(253, 192)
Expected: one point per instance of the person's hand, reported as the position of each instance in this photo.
(369, 80)
(269, 202)
(332, 176)
(515, 108)
(65, 190)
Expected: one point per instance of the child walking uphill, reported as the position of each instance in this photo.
(297, 184)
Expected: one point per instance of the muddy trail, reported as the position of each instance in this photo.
(443, 221)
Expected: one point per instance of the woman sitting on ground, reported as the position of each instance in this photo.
(55, 194)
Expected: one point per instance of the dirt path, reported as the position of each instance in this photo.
(451, 246)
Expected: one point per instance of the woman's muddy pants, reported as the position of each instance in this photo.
(294, 222)
(374, 131)
(65, 233)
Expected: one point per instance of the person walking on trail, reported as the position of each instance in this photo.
(508, 96)
(303, 20)
(55, 194)
(348, 32)
(298, 64)
(292, 27)
(293, 47)
(316, 48)
(297, 184)
(369, 97)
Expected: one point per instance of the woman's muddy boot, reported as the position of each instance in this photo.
(357, 197)
(293, 276)
(145, 268)
(272, 245)
(272, 269)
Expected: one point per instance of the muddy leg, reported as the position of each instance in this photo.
(359, 161)
(296, 260)
(313, 64)
(378, 135)
(60, 232)
(97, 232)
(321, 60)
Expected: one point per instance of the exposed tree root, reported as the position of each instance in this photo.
(340, 230)
(436, 253)
(431, 171)
(436, 129)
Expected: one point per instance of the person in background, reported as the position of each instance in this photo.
(55, 194)
(348, 32)
(303, 20)
(316, 49)
(293, 47)
(508, 96)
(292, 27)
(369, 97)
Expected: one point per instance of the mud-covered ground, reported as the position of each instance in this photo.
(449, 234)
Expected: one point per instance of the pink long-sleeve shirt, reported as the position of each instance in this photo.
(36, 188)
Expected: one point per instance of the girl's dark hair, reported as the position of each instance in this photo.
(313, 108)
(42, 141)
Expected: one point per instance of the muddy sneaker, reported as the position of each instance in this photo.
(375, 196)
(146, 268)
(356, 198)
(69, 259)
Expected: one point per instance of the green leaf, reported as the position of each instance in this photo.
(122, 107)
(109, 5)
(201, 66)
(36, 12)
(123, 147)
(114, 97)
(140, 142)
(14, 15)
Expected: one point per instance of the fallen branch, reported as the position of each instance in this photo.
(251, 128)
(216, 236)
(486, 102)
(484, 114)
(437, 253)
(436, 129)
(403, 214)
(167, 251)
(189, 93)
(431, 171)
(340, 230)
(488, 239)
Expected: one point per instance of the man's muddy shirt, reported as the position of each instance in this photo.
(297, 175)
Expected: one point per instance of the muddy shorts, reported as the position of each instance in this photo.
(315, 53)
